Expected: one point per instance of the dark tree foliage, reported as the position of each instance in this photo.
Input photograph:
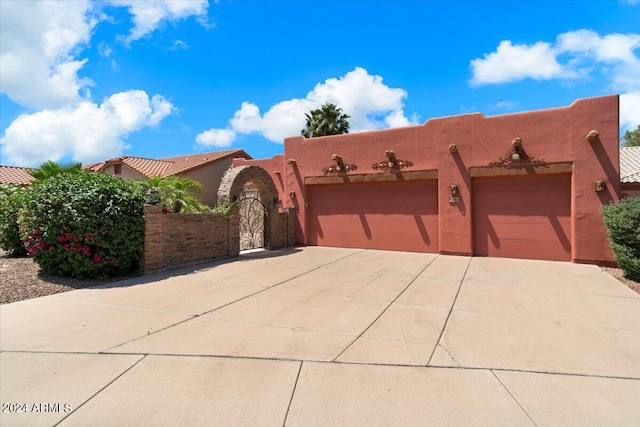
(326, 120)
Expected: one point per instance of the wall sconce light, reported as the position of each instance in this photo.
(389, 154)
(234, 198)
(453, 148)
(291, 162)
(276, 202)
(593, 136)
(454, 190)
(600, 186)
(292, 194)
(339, 163)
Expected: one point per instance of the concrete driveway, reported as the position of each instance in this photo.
(327, 336)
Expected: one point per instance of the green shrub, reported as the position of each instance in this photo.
(12, 197)
(623, 226)
(223, 208)
(84, 225)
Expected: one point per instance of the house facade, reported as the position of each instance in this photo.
(525, 185)
(205, 168)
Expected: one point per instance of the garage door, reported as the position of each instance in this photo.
(382, 215)
(522, 217)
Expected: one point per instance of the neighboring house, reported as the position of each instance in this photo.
(15, 175)
(630, 171)
(205, 168)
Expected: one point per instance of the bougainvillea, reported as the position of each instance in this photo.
(84, 225)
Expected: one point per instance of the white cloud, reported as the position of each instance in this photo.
(630, 110)
(370, 103)
(85, 131)
(216, 138)
(150, 14)
(574, 56)
(516, 62)
(38, 69)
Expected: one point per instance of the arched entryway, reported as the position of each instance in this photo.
(255, 199)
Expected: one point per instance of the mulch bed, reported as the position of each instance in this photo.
(21, 279)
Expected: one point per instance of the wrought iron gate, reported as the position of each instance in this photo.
(252, 214)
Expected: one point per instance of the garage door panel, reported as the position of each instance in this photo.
(394, 216)
(523, 217)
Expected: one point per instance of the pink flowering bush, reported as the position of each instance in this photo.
(84, 225)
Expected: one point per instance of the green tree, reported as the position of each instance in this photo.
(326, 120)
(49, 169)
(177, 194)
(631, 138)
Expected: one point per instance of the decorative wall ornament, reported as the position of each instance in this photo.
(517, 156)
(392, 164)
(593, 136)
(339, 167)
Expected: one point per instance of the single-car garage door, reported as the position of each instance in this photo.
(400, 215)
(522, 217)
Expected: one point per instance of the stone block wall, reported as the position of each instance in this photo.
(180, 239)
(173, 240)
(283, 231)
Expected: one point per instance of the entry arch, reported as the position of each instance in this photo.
(232, 189)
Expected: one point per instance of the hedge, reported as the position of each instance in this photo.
(84, 225)
(623, 227)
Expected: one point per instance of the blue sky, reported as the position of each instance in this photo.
(90, 80)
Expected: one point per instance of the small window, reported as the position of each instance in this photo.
(117, 169)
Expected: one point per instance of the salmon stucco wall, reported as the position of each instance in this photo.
(556, 137)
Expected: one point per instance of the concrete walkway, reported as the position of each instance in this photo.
(325, 336)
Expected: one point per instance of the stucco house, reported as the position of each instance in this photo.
(15, 175)
(630, 171)
(205, 168)
(524, 185)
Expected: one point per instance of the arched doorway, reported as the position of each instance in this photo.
(255, 199)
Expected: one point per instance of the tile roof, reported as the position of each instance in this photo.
(15, 175)
(169, 165)
(629, 164)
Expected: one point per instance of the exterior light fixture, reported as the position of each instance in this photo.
(339, 163)
(453, 148)
(393, 162)
(454, 190)
(593, 136)
(292, 194)
(600, 186)
(291, 162)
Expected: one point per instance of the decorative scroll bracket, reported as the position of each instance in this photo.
(517, 156)
(392, 164)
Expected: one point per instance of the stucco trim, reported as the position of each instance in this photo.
(539, 169)
(373, 177)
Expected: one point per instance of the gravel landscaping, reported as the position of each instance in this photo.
(21, 279)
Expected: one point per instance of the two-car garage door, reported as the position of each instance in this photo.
(399, 215)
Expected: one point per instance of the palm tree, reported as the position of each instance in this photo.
(49, 169)
(326, 120)
(178, 194)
